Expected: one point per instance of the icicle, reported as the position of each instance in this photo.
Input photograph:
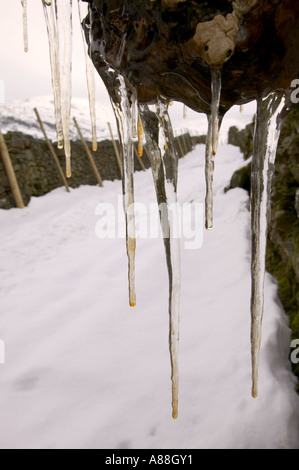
(164, 162)
(268, 127)
(83, 10)
(50, 17)
(64, 25)
(216, 94)
(25, 25)
(212, 144)
(134, 117)
(140, 138)
(123, 116)
(185, 112)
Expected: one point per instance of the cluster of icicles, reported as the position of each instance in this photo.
(58, 17)
(164, 162)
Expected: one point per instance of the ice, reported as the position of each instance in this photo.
(185, 112)
(140, 138)
(64, 26)
(164, 162)
(83, 10)
(123, 114)
(268, 127)
(209, 171)
(216, 95)
(134, 117)
(25, 25)
(212, 144)
(59, 26)
(50, 17)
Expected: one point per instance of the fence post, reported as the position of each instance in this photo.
(115, 150)
(89, 155)
(179, 145)
(139, 159)
(11, 173)
(55, 158)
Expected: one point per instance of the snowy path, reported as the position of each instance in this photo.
(83, 370)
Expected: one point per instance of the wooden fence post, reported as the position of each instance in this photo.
(10, 173)
(55, 158)
(184, 143)
(117, 155)
(179, 145)
(89, 155)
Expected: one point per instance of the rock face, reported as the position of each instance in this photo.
(166, 48)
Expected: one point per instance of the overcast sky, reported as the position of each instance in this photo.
(28, 75)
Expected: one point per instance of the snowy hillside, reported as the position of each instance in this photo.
(19, 116)
(83, 370)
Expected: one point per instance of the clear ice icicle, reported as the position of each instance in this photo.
(134, 117)
(83, 10)
(65, 32)
(123, 114)
(50, 17)
(164, 163)
(25, 24)
(212, 144)
(268, 127)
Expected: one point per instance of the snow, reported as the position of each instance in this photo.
(19, 116)
(84, 370)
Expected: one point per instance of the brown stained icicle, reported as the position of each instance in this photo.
(164, 163)
(123, 115)
(268, 127)
(185, 112)
(140, 138)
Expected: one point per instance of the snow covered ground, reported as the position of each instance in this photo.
(84, 370)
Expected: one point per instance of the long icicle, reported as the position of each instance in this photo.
(212, 144)
(268, 127)
(64, 24)
(25, 24)
(164, 163)
(50, 17)
(83, 9)
(123, 115)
